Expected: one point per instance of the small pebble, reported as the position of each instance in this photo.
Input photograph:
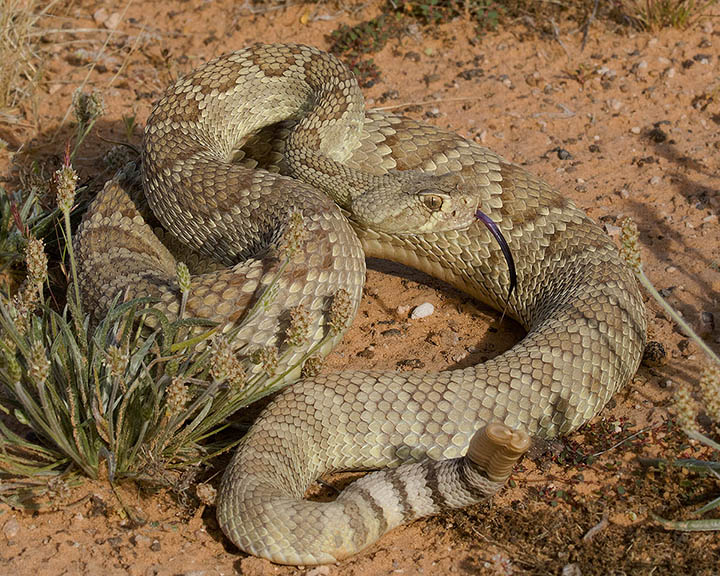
(635, 129)
(403, 310)
(708, 320)
(612, 230)
(11, 528)
(655, 180)
(319, 571)
(425, 309)
(391, 332)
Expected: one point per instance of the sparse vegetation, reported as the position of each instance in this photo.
(144, 403)
(685, 406)
(19, 61)
(654, 15)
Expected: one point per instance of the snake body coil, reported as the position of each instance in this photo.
(243, 140)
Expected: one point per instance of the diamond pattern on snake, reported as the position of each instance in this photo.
(249, 138)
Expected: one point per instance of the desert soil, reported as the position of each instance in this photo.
(629, 126)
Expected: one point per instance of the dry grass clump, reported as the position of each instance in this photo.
(20, 30)
(686, 408)
(654, 15)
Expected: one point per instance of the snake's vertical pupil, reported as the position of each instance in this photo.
(498, 235)
(432, 201)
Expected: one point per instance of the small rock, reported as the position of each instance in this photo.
(612, 230)
(100, 16)
(139, 540)
(113, 21)
(532, 79)
(11, 528)
(657, 135)
(571, 570)
(563, 154)
(391, 332)
(319, 571)
(155, 546)
(642, 65)
(425, 309)
(472, 73)
(368, 352)
(635, 129)
(402, 310)
(615, 104)
(655, 180)
(707, 320)
(411, 364)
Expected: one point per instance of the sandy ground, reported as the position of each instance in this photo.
(628, 127)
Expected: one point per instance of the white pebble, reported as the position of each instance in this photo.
(425, 309)
(635, 129)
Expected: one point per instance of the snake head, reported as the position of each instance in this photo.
(413, 202)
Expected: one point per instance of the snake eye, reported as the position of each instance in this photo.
(432, 201)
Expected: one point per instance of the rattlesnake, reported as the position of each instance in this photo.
(213, 147)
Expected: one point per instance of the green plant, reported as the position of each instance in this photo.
(145, 403)
(353, 43)
(686, 410)
(657, 14)
(20, 218)
(485, 13)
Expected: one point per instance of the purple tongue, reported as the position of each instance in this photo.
(495, 231)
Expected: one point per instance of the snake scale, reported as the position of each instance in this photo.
(241, 142)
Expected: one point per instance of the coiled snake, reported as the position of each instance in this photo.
(408, 192)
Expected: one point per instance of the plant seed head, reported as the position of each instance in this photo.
(294, 236)
(267, 357)
(176, 396)
(710, 387)
(39, 366)
(87, 107)
(36, 261)
(686, 409)
(341, 311)
(630, 249)
(226, 367)
(117, 361)
(206, 493)
(183, 277)
(298, 331)
(66, 181)
(312, 367)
